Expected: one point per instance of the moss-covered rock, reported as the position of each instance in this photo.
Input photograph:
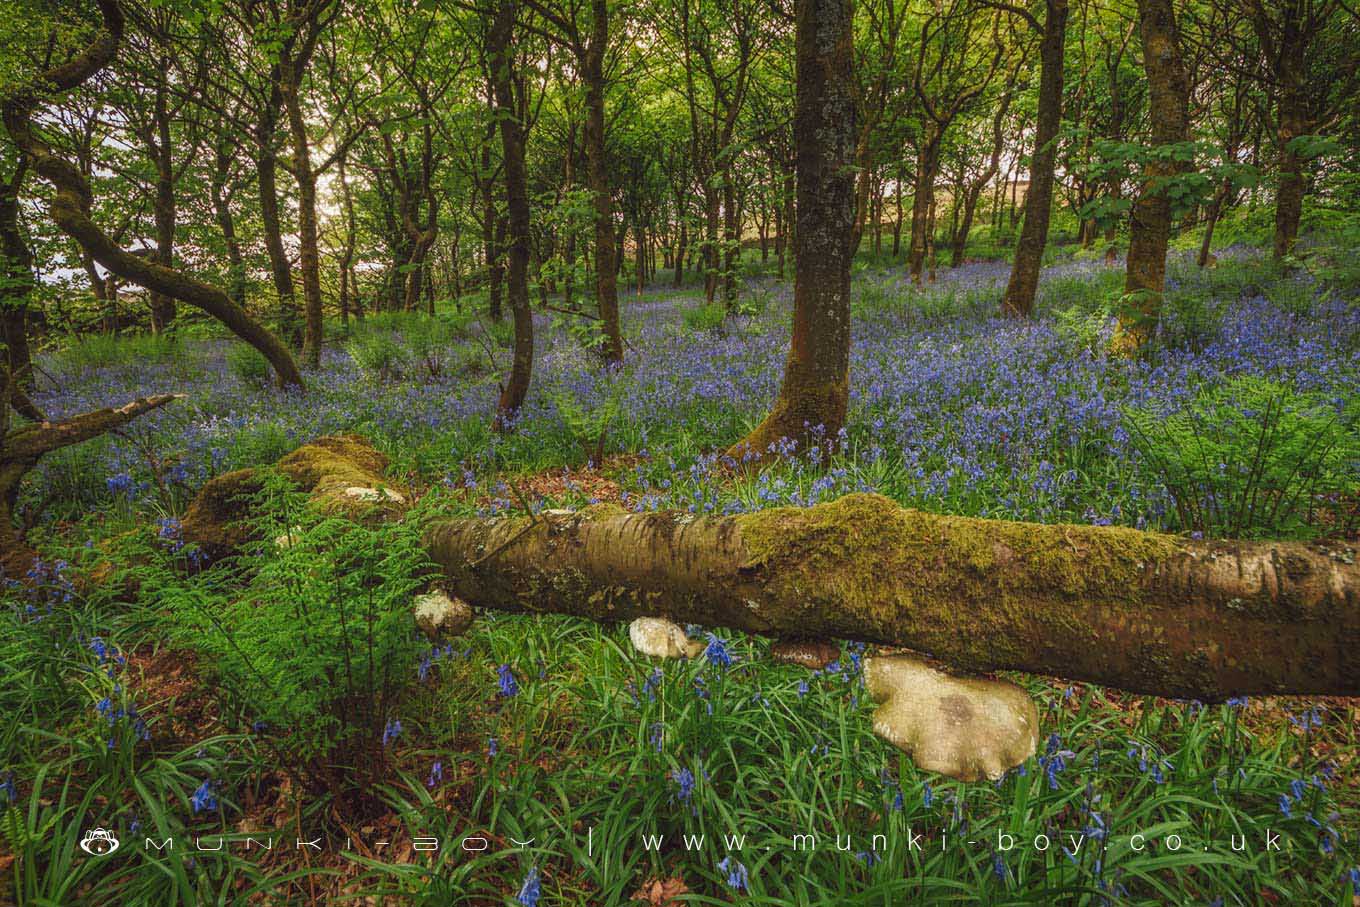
(217, 520)
(342, 474)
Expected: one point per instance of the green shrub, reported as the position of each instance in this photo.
(248, 364)
(310, 636)
(1254, 458)
(708, 318)
(870, 296)
(104, 350)
(589, 427)
(378, 353)
(1089, 293)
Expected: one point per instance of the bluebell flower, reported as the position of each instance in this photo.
(391, 732)
(684, 782)
(868, 857)
(1284, 806)
(8, 792)
(716, 652)
(203, 798)
(531, 889)
(492, 748)
(436, 774)
(736, 875)
(508, 685)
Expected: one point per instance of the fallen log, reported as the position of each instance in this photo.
(1119, 607)
(1135, 610)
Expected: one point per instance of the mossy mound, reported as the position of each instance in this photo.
(342, 473)
(217, 520)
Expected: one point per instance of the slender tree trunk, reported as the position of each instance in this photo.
(499, 43)
(271, 225)
(1211, 220)
(680, 251)
(309, 253)
(927, 163)
(1150, 220)
(816, 387)
(1029, 252)
(236, 282)
(597, 174)
(163, 207)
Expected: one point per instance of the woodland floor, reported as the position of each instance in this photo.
(953, 409)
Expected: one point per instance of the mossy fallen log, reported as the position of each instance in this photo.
(1135, 610)
(1129, 609)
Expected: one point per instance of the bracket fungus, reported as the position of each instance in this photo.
(662, 638)
(968, 728)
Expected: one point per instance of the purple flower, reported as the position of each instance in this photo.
(508, 685)
(203, 798)
(736, 876)
(436, 774)
(531, 889)
(684, 782)
(391, 732)
(716, 652)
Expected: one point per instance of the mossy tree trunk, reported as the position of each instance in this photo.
(816, 387)
(22, 447)
(16, 283)
(597, 176)
(1150, 219)
(500, 55)
(1139, 611)
(1029, 251)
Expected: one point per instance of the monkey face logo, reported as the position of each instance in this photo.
(99, 842)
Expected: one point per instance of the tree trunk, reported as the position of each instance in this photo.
(1211, 220)
(597, 174)
(1029, 251)
(1150, 220)
(271, 225)
(499, 38)
(680, 251)
(222, 160)
(816, 387)
(309, 253)
(163, 206)
(21, 448)
(16, 283)
(927, 162)
(1139, 611)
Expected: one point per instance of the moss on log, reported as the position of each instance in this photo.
(1140, 611)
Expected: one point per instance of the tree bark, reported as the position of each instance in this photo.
(597, 173)
(816, 388)
(16, 283)
(1029, 251)
(21, 448)
(1150, 219)
(163, 205)
(923, 199)
(267, 166)
(71, 200)
(1128, 609)
(309, 252)
(499, 38)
